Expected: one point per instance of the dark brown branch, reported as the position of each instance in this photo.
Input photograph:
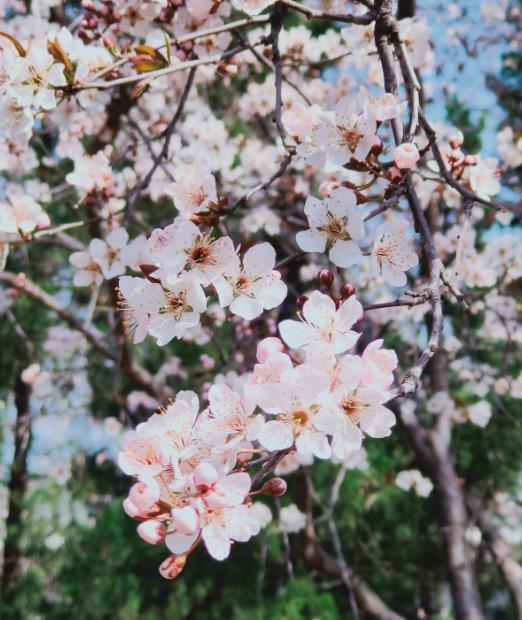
(17, 486)
(509, 567)
(136, 373)
(163, 154)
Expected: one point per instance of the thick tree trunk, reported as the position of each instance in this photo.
(17, 485)
(406, 9)
(509, 567)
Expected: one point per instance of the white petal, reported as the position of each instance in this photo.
(312, 240)
(345, 253)
(314, 443)
(180, 543)
(259, 260)
(316, 212)
(295, 333)
(216, 541)
(246, 307)
(276, 435)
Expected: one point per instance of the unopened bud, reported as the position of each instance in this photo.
(347, 290)
(326, 277)
(172, 566)
(300, 301)
(456, 140)
(275, 487)
(205, 477)
(377, 147)
(152, 531)
(393, 174)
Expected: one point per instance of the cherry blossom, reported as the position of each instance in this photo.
(206, 258)
(21, 215)
(348, 133)
(323, 322)
(413, 479)
(179, 306)
(33, 77)
(392, 253)
(253, 286)
(194, 190)
(334, 222)
(108, 253)
(295, 400)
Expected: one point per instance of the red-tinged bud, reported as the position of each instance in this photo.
(172, 566)
(377, 147)
(205, 477)
(347, 290)
(456, 140)
(275, 487)
(393, 174)
(152, 531)
(326, 277)
(300, 302)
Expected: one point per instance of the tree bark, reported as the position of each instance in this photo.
(509, 567)
(406, 9)
(17, 486)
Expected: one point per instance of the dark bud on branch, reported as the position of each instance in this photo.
(275, 487)
(172, 566)
(300, 302)
(347, 290)
(326, 278)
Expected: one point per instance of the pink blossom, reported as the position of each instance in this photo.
(141, 501)
(323, 322)
(152, 531)
(406, 155)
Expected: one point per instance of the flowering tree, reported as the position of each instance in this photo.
(241, 214)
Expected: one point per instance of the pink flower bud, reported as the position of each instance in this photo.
(274, 487)
(208, 363)
(300, 301)
(406, 156)
(267, 347)
(141, 501)
(393, 174)
(205, 477)
(378, 146)
(347, 290)
(152, 531)
(172, 566)
(326, 277)
(185, 520)
(456, 140)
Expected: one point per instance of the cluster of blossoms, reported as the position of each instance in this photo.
(180, 262)
(193, 468)
(105, 91)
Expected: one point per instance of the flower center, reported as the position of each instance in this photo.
(174, 305)
(300, 417)
(349, 136)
